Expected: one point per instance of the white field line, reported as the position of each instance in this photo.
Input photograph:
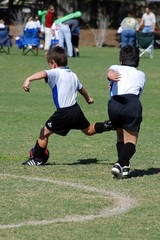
(122, 204)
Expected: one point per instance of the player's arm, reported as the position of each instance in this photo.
(113, 76)
(37, 76)
(84, 93)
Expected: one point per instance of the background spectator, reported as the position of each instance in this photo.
(49, 19)
(75, 33)
(65, 38)
(31, 24)
(129, 26)
(148, 21)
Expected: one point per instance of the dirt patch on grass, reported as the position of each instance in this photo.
(87, 38)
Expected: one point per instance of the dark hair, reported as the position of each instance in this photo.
(129, 56)
(58, 55)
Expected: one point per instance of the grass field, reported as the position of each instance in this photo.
(74, 196)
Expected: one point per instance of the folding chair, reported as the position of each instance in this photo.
(145, 43)
(29, 42)
(5, 40)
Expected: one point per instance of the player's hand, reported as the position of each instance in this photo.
(90, 100)
(26, 86)
(114, 76)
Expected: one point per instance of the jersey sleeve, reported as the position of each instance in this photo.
(51, 77)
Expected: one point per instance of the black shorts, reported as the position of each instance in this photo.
(65, 119)
(125, 111)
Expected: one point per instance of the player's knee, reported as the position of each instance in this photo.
(45, 133)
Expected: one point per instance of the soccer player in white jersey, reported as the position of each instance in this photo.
(124, 106)
(64, 85)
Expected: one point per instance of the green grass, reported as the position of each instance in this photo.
(76, 158)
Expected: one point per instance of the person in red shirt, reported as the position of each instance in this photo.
(49, 19)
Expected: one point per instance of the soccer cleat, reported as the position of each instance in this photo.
(45, 156)
(33, 162)
(126, 171)
(117, 171)
(108, 126)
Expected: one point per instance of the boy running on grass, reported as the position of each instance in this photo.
(124, 107)
(64, 85)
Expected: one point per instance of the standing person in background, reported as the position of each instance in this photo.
(129, 26)
(75, 33)
(49, 19)
(65, 39)
(55, 32)
(148, 21)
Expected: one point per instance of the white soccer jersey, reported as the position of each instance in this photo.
(131, 82)
(64, 84)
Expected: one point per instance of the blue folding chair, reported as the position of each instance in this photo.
(29, 42)
(5, 40)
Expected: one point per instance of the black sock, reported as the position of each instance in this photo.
(119, 146)
(127, 152)
(38, 151)
(99, 127)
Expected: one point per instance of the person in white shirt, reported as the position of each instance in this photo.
(31, 24)
(2, 24)
(148, 21)
(64, 86)
(55, 31)
(124, 106)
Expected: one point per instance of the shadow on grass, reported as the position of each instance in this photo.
(84, 162)
(134, 173)
(144, 172)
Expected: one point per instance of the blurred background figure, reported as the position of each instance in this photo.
(38, 22)
(148, 21)
(75, 33)
(49, 19)
(5, 38)
(65, 39)
(55, 33)
(2, 24)
(31, 24)
(129, 26)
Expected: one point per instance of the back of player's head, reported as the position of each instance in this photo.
(129, 56)
(58, 55)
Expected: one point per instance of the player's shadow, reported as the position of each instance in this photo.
(89, 161)
(144, 172)
(134, 173)
(84, 162)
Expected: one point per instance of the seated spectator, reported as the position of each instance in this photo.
(5, 38)
(2, 24)
(129, 27)
(31, 24)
